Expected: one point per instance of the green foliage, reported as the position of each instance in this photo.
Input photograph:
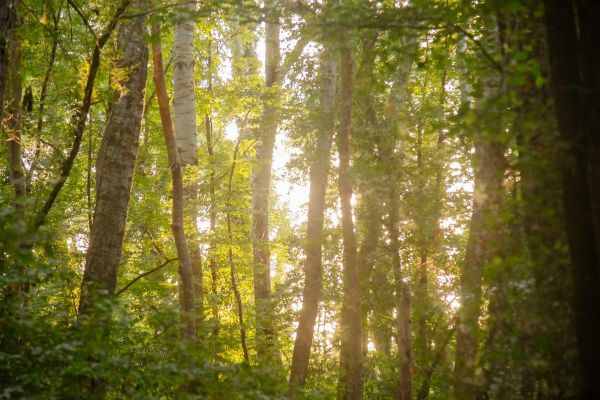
(431, 80)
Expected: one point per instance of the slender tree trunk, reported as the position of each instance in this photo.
(266, 342)
(369, 222)
(482, 246)
(114, 170)
(401, 287)
(367, 254)
(193, 238)
(232, 267)
(313, 267)
(185, 269)
(351, 379)
(427, 221)
(184, 95)
(212, 261)
(573, 36)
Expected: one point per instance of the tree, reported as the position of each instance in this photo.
(185, 268)
(266, 347)
(482, 248)
(351, 379)
(573, 41)
(114, 169)
(313, 268)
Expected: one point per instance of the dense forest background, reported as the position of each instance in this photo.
(310, 199)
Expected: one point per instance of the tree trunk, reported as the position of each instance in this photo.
(351, 379)
(12, 123)
(232, 267)
(193, 238)
(212, 260)
(482, 246)
(185, 268)
(573, 36)
(401, 287)
(114, 170)
(313, 267)
(266, 343)
(370, 219)
(7, 18)
(184, 95)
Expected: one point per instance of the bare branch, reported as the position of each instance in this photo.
(140, 276)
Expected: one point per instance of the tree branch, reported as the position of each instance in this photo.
(83, 18)
(140, 276)
(80, 118)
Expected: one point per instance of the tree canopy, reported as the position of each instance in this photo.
(335, 199)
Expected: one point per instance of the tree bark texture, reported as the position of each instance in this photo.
(266, 343)
(12, 120)
(114, 169)
(7, 19)
(573, 36)
(313, 266)
(185, 268)
(184, 95)
(351, 374)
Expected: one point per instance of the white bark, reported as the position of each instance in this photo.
(184, 96)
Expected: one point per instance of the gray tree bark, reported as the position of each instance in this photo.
(114, 170)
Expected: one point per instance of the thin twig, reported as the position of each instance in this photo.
(140, 276)
(83, 18)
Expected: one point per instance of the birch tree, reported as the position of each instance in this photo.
(184, 95)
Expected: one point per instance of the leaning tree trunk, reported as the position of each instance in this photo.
(114, 176)
(482, 246)
(266, 346)
(185, 267)
(313, 266)
(351, 379)
(114, 170)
